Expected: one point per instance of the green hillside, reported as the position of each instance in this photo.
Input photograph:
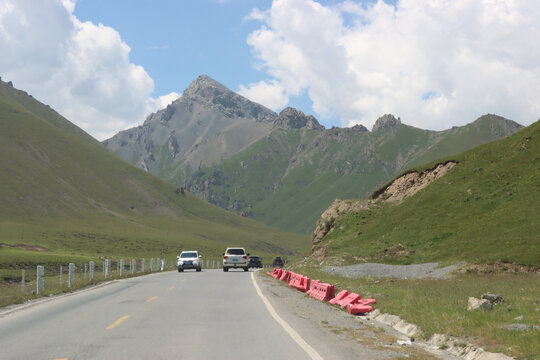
(288, 178)
(64, 191)
(485, 210)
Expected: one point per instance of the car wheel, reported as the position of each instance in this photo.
(225, 269)
(198, 269)
(246, 269)
(180, 270)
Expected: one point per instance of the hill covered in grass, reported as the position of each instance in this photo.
(63, 191)
(484, 210)
(289, 177)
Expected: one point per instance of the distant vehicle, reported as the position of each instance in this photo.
(189, 260)
(278, 262)
(235, 258)
(255, 262)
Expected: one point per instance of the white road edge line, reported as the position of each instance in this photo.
(293, 334)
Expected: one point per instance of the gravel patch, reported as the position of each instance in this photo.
(416, 271)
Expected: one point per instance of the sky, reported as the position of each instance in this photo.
(107, 64)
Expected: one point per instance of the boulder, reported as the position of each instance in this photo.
(493, 298)
(479, 304)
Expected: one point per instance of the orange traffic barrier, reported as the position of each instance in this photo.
(358, 309)
(299, 281)
(312, 286)
(349, 299)
(342, 294)
(321, 291)
(285, 275)
(367, 301)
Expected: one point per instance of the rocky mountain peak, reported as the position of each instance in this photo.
(385, 122)
(290, 118)
(204, 86)
(214, 95)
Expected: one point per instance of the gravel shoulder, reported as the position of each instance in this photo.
(416, 271)
(334, 333)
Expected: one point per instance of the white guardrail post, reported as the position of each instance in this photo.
(106, 268)
(39, 279)
(143, 265)
(71, 274)
(133, 266)
(121, 267)
(91, 271)
(152, 265)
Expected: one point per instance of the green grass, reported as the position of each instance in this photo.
(440, 306)
(300, 172)
(484, 210)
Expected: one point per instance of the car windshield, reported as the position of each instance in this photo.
(188, 255)
(236, 252)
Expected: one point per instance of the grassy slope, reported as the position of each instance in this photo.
(63, 190)
(484, 210)
(290, 177)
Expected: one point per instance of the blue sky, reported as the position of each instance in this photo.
(176, 41)
(106, 65)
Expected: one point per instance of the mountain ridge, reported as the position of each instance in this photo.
(258, 166)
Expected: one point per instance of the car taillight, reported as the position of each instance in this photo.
(225, 257)
(245, 257)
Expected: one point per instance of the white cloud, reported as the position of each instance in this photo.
(433, 63)
(81, 69)
(270, 94)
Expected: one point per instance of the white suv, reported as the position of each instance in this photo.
(235, 258)
(189, 260)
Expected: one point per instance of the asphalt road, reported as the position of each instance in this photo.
(170, 315)
(206, 315)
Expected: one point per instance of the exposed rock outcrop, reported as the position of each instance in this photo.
(410, 183)
(404, 186)
(385, 122)
(290, 118)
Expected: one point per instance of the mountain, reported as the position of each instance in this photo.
(208, 122)
(480, 206)
(63, 191)
(289, 177)
(282, 170)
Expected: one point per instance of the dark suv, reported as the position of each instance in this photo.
(278, 262)
(255, 262)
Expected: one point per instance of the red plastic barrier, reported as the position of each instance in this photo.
(313, 287)
(285, 275)
(277, 273)
(321, 291)
(349, 299)
(342, 294)
(367, 301)
(358, 309)
(299, 281)
(294, 279)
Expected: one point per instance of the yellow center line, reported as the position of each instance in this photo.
(118, 322)
(183, 280)
(152, 299)
(172, 287)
